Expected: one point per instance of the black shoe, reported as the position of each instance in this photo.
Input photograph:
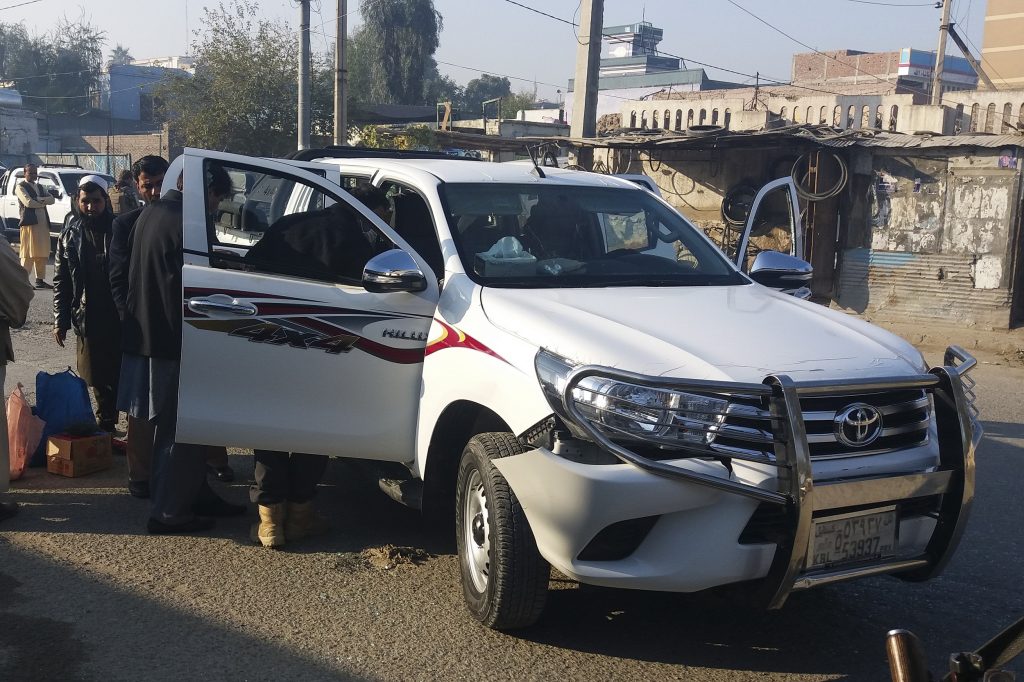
(224, 474)
(139, 489)
(7, 510)
(40, 284)
(217, 506)
(196, 525)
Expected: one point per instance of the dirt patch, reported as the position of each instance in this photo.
(383, 558)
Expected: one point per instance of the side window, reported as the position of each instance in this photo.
(49, 182)
(276, 223)
(412, 220)
(3, 184)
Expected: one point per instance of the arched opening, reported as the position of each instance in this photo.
(632, 119)
(809, 117)
(990, 117)
(850, 114)
(958, 120)
(689, 118)
(643, 120)
(703, 116)
(727, 119)
(865, 116)
(821, 116)
(796, 115)
(679, 119)
(654, 119)
(837, 117)
(714, 117)
(878, 117)
(1020, 119)
(894, 117)
(668, 120)
(1007, 115)
(782, 112)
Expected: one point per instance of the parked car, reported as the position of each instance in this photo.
(576, 373)
(60, 181)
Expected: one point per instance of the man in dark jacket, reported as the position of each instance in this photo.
(82, 300)
(182, 500)
(149, 174)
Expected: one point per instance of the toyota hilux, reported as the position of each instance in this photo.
(577, 374)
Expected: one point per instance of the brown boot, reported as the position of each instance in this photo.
(270, 531)
(303, 521)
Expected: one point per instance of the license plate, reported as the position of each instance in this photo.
(859, 536)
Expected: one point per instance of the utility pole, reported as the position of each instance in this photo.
(588, 67)
(304, 84)
(341, 77)
(940, 54)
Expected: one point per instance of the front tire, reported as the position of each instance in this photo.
(504, 577)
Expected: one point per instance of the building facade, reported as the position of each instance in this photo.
(1002, 51)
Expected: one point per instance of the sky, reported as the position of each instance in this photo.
(501, 38)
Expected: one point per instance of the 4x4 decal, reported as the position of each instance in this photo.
(275, 334)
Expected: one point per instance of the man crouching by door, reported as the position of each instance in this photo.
(82, 299)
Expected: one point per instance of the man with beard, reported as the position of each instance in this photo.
(35, 225)
(82, 299)
(148, 173)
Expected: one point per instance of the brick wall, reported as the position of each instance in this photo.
(844, 64)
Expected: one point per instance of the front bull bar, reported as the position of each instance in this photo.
(959, 433)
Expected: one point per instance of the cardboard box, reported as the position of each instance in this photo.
(78, 455)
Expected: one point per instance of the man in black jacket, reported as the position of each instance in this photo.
(149, 174)
(152, 344)
(81, 296)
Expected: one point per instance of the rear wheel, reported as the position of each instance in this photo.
(504, 577)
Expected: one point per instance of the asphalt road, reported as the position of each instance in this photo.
(85, 594)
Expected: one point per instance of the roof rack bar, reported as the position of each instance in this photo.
(338, 152)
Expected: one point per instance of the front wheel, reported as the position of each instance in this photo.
(504, 577)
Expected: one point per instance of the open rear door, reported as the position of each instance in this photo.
(773, 224)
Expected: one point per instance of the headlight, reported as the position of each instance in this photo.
(620, 409)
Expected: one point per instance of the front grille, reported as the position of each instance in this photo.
(905, 414)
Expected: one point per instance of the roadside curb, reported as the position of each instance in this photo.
(1008, 343)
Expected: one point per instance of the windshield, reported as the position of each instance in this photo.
(535, 235)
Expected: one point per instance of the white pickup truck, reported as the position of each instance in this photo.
(60, 181)
(577, 373)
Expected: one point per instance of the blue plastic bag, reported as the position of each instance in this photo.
(62, 401)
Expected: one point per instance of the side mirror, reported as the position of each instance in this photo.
(391, 271)
(788, 274)
(54, 192)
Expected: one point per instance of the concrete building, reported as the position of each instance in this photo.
(127, 91)
(1002, 47)
(632, 69)
(19, 128)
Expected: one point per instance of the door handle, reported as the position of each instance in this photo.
(229, 306)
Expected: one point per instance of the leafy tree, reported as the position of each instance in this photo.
(243, 95)
(57, 72)
(513, 104)
(481, 89)
(120, 56)
(396, 42)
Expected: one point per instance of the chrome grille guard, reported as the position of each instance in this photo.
(959, 433)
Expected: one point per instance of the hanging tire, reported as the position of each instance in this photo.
(504, 577)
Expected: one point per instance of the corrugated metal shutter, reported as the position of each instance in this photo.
(919, 287)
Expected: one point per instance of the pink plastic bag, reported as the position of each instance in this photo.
(24, 430)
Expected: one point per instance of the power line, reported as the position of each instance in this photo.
(895, 4)
(22, 4)
(684, 59)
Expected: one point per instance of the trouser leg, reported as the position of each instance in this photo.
(139, 449)
(271, 476)
(304, 473)
(179, 471)
(35, 264)
(106, 406)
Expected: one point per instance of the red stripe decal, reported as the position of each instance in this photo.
(453, 338)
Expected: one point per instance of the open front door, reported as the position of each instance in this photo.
(773, 224)
(283, 348)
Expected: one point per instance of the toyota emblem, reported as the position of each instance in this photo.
(858, 425)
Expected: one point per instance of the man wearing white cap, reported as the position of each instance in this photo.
(82, 298)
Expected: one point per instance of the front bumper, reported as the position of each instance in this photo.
(703, 508)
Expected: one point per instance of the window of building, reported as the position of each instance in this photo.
(975, 110)
(679, 119)
(1007, 115)
(714, 117)
(689, 118)
(990, 117)
(632, 119)
(727, 119)
(865, 116)
(837, 116)
(894, 115)
(703, 116)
